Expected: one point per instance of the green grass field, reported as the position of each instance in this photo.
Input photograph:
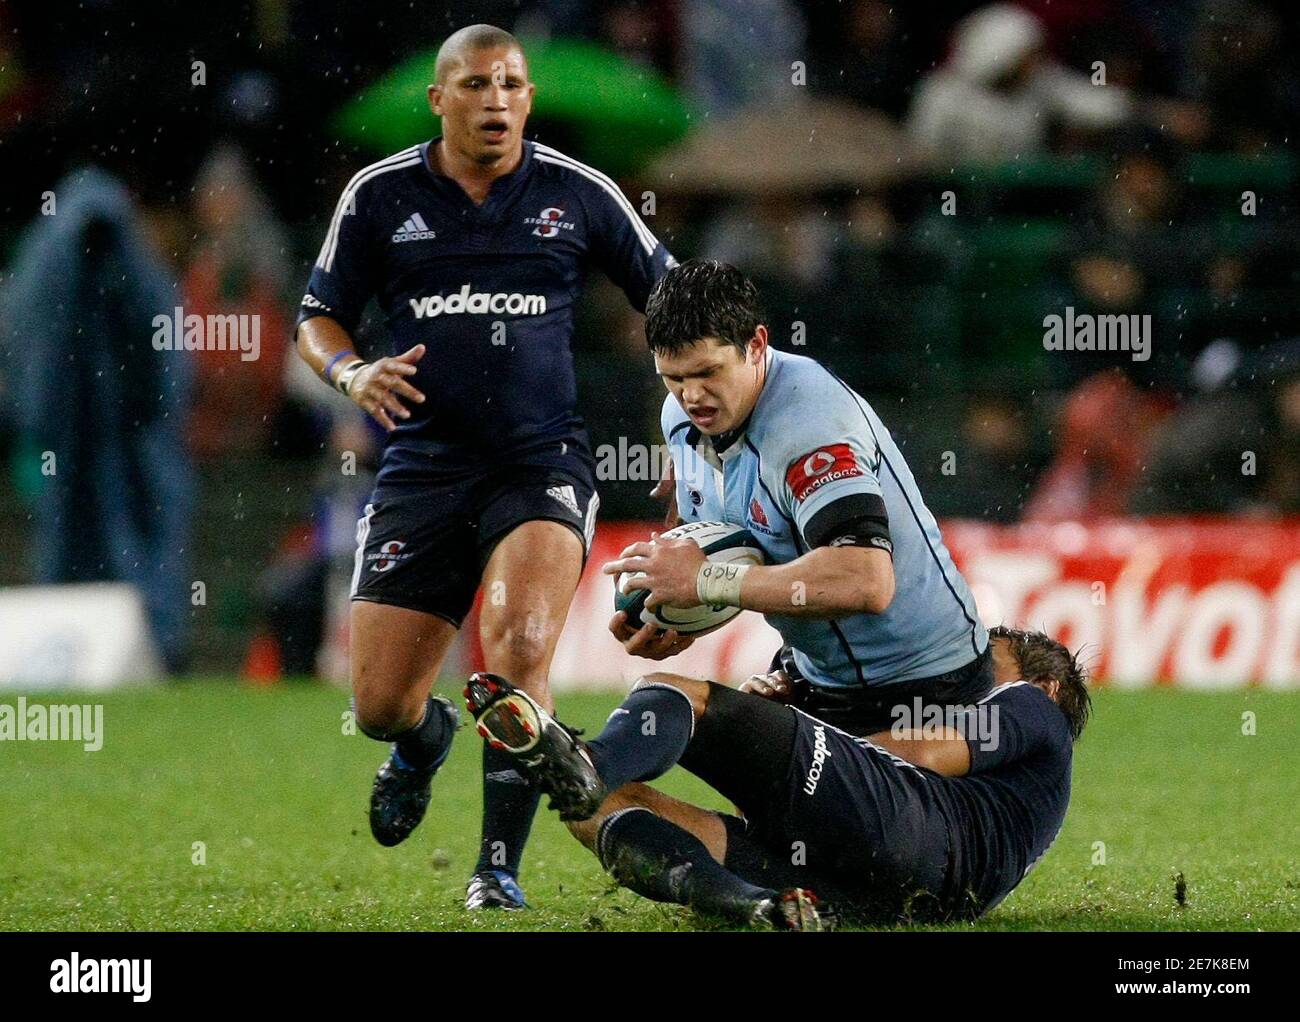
(276, 793)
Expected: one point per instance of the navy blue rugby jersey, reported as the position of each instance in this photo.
(1010, 807)
(490, 291)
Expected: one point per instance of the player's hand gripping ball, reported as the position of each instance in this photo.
(720, 542)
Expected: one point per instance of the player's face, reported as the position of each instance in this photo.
(715, 383)
(484, 103)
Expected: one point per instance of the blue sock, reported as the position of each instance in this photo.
(509, 805)
(644, 737)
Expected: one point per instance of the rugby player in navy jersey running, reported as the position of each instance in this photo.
(475, 246)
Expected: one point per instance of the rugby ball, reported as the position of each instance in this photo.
(720, 542)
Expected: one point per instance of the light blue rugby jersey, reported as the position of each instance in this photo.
(812, 441)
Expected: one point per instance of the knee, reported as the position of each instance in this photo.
(695, 690)
(382, 727)
(383, 716)
(526, 642)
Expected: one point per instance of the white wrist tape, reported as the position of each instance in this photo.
(343, 383)
(718, 585)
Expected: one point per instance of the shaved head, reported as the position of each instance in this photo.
(483, 97)
(470, 39)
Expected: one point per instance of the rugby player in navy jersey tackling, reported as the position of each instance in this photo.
(913, 824)
(475, 246)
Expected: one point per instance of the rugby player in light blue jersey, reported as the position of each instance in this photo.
(873, 611)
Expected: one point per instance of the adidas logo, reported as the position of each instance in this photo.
(566, 496)
(414, 229)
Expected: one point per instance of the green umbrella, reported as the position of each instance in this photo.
(624, 113)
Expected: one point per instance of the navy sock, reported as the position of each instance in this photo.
(644, 737)
(426, 743)
(509, 805)
(664, 862)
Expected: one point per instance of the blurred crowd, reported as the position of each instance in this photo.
(1110, 156)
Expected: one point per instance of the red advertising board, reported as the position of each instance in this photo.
(1198, 603)
(1194, 603)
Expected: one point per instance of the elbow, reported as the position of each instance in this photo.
(878, 593)
(860, 582)
(865, 597)
(921, 753)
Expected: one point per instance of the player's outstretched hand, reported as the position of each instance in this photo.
(381, 387)
(775, 685)
(648, 641)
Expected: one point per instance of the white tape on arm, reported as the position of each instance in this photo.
(718, 585)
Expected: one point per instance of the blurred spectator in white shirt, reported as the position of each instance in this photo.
(1001, 92)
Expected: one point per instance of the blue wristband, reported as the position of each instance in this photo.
(329, 366)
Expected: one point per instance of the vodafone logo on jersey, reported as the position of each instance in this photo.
(810, 472)
(818, 462)
(549, 222)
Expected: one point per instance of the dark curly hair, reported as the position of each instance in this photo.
(698, 299)
(1042, 658)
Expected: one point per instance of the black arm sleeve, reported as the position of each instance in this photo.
(858, 519)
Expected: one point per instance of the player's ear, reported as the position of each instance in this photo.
(1049, 685)
(435, 99)
(758, 344)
